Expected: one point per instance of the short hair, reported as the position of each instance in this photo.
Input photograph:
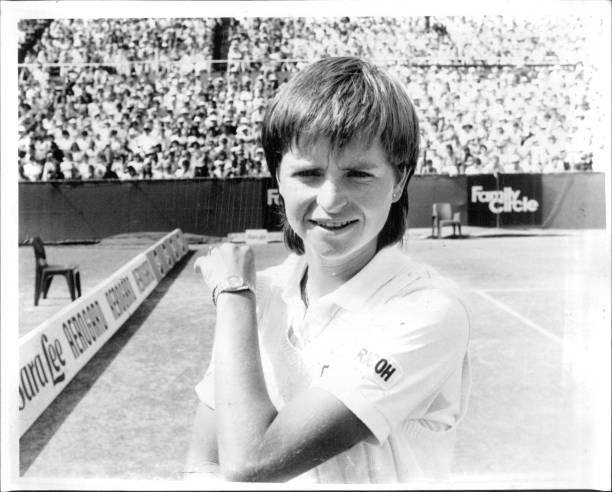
(342, 98)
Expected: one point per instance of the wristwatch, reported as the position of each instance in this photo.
(233, 283)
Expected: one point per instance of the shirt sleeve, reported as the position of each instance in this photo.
(399, 364)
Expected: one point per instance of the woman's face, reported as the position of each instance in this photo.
(338, 203)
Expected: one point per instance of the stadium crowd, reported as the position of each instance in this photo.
(140, 98)
(487, 39)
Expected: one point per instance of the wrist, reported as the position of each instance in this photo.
(232, 284)
(228, 296)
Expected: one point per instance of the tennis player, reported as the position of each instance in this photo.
(347, 363)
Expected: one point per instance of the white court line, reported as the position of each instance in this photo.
(519, 316)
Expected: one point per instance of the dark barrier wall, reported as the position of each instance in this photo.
(65, 211)
(424, 191)
(574, 201)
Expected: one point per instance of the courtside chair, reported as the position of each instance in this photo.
(46, 272)
(442, 215)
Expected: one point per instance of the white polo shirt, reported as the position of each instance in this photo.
(391, 344)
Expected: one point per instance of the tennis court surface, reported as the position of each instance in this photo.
(540, 304)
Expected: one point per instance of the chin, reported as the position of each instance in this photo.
(332, 253)
(340, 251)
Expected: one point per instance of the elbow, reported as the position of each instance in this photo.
(236, 472)
(251, 471)
(233, 472)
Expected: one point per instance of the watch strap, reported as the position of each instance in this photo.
(220, 288)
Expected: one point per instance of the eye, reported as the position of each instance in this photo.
(306, 173)
(354, 173)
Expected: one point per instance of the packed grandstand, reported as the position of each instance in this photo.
(185, 98)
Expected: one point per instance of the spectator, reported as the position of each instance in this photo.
(491, 109)
(450, 163)
(109, 173)
(428, 168)
(184, 172)
(494, 165)
(32, 170)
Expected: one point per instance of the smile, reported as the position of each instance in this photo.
(332, 225)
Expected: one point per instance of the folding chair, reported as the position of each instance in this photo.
(46, 272)
(443, 215)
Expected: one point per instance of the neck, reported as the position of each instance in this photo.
(327, 274)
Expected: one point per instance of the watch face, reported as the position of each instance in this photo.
(234, 281)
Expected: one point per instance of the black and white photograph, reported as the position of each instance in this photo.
(305, 245)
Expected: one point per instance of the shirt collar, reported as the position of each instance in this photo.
(354, 293)
(296, 266)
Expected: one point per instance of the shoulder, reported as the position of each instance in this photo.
(431, 312)
(414, 277)
(423, 303)
(441, 325)
(425, 331)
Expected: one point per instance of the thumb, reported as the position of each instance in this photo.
(204, 264)
(199, 264)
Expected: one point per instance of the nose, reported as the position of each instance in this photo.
(331, 196)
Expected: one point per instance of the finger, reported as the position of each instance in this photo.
(206, 269)
(201, 259)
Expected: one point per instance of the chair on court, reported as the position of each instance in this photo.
(46, 272)
(443, 215)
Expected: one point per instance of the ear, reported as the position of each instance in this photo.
(399, 187)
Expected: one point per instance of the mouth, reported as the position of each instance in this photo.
(332, 225)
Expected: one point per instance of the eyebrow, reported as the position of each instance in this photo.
(362, 164)
(353, 164)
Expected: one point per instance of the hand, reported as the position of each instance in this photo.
(227, 260)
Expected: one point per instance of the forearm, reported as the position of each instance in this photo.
(202, 464)
(255, 442)
(243, 407)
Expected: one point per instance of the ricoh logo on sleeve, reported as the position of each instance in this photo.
(383, 370)
(506, 200)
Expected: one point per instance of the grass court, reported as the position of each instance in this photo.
(540, 302)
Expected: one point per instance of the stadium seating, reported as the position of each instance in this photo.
(140, 98)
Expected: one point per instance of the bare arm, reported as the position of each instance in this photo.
(203, 457)
(256, 442)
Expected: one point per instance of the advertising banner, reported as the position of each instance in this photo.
(480, 213)
(272, 205)
(54, 352)
(165, 253)
(522, 199)
(505, 200)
